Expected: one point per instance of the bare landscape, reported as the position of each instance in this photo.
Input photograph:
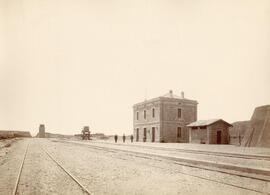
(64, 166)
(124, 97)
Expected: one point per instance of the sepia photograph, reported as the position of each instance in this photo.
(134, 97)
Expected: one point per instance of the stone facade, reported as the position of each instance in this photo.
(209, 132)
(164, 119)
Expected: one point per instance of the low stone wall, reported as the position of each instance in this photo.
(5, 134)
(237, 131)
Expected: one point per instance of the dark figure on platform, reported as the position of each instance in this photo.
(131, 138)
(115, 138)
(124, 138)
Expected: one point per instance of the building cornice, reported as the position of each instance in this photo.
(166, 99)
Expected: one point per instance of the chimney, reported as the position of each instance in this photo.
(171, 93)
(182, 95)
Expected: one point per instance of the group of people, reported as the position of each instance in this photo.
(124, 138)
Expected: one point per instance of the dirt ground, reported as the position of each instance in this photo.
(108, 172)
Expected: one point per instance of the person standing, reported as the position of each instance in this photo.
(131, 138)
(124, 138)
(115, 138)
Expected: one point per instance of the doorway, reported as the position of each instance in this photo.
(153, 134)
(144, 134)
(218, 137)
(179, 134)
(137, 135)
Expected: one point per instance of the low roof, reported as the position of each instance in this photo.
(206, 123)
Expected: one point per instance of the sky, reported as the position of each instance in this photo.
(67, 64)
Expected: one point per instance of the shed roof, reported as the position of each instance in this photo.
(206, 123)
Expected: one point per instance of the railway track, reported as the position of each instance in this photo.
(172, 160)
(20, 171)
(84, 189)
(259, 174)
(15, 190)
(222, 154)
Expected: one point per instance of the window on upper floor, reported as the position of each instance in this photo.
(144, 114)
(137, 115)
(153, 112)
(179, 113)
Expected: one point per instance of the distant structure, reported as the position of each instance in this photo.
(258, 133)
(215, 131)
(86, 133)
(4, 134)
(164, 119)
(237, 132)
(41, 133)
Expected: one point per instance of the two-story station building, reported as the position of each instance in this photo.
(164, 119)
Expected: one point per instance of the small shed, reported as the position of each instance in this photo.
(214, 131)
